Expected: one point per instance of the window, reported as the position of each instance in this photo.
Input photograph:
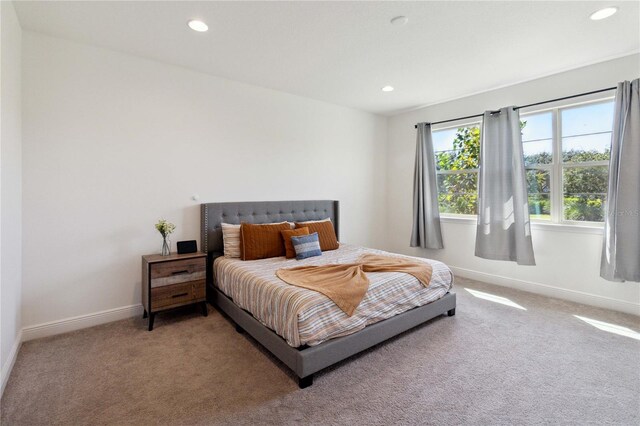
(457, 152)
(537, 146)
(586, 144)
(566, 155)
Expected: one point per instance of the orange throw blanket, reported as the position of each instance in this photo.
(347, 284)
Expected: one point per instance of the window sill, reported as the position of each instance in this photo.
(563, 227)
(542, 226)
(461, 218)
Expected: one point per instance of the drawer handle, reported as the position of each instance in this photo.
(179, 295)
(180, 272)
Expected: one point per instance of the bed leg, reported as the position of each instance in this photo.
(451, 312)
(239, 329)
(305, 382)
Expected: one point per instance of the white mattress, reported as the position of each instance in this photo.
(306, 317)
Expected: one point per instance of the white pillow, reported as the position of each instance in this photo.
(314, 221)
(231, 240)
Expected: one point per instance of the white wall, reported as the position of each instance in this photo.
(568, 263)
(10, 189)
(113, 142)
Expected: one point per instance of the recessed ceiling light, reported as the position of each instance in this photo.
(603, 13)
(399, 20)
(199, 26)
(387, 89)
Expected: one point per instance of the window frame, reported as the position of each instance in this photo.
(557, 166)
(557, 221)
(472, 123)
(546, 167)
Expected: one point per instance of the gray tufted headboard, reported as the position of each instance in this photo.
(213, 214)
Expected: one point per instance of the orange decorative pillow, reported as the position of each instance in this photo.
(288, 245)
(326, 233)
(262, 241)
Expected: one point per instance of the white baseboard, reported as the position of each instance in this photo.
(551, 291)
(76, 323)
(8, 365)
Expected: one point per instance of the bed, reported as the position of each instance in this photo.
(302, 328)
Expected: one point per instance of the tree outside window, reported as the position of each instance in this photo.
(566, 153)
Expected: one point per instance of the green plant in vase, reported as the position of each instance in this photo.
(165, 228)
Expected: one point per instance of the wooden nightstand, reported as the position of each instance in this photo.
(172, 281)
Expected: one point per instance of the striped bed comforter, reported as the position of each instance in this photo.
(306, 317)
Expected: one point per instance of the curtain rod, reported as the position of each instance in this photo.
(525, 106)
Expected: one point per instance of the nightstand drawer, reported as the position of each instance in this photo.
(177, 294)
(181, 271)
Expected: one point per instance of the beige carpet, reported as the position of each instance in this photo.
(490, 364)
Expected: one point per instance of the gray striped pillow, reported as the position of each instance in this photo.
(306, 246)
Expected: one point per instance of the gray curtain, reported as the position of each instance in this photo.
(503, 231)
(426, 216)
(621, 245)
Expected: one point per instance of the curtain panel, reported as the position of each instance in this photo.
(503, 230)
(426, 231)
(621, 243)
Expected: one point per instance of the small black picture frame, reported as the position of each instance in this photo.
(185, 247)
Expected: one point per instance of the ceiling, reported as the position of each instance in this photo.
(345, 52)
